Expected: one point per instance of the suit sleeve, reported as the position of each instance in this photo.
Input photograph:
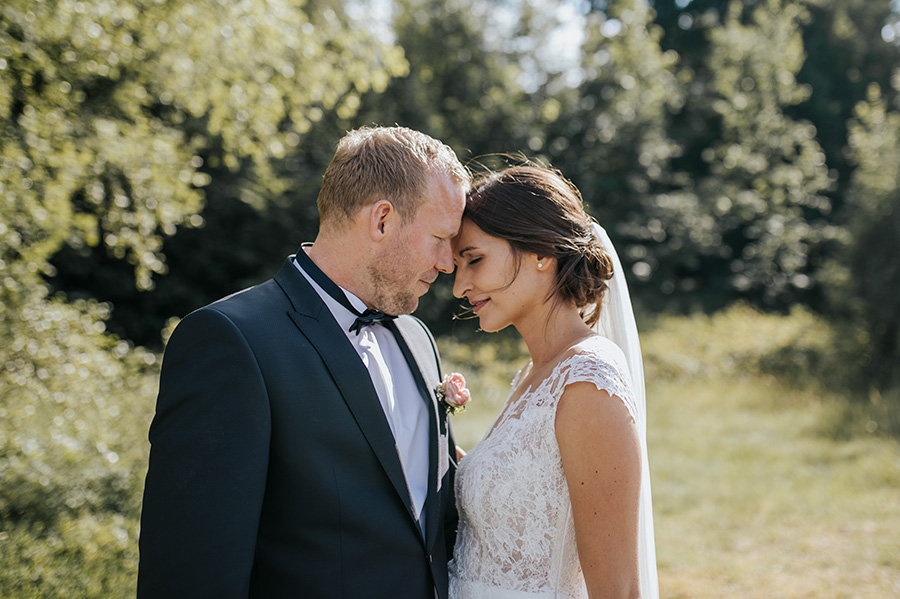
(208, 459)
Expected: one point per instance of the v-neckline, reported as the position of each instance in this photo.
(510, 401)
(529, 390)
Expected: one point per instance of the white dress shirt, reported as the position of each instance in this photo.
(401, 401)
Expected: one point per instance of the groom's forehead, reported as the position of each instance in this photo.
(444, 199)
(438, 217)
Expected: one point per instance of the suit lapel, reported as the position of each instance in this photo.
(347, 371)
(419, 354)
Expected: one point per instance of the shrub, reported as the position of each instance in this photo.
(75, 405)
(738, 341)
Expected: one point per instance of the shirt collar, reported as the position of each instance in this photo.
(344, 317)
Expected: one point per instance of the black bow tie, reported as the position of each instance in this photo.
(365, 319)
(368, 318)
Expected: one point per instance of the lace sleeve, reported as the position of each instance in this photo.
(605, 367)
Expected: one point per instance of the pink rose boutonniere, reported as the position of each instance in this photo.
(452, 393)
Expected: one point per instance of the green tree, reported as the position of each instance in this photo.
(609, 134)
(457, 89)
(758, 210)
(845, 51)
(868, 275)
(112, 116)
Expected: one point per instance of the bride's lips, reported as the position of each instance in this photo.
(476, 306)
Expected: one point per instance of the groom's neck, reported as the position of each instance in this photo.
(342, 261)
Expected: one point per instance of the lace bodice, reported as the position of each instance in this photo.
(516, 533)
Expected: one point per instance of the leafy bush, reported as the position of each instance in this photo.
(86, 555)
(800, 349)
(75, 405)
(74, 408)
(736, 342)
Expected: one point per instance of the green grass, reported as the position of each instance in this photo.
(751, 499)
(767, 481)
(755, 495)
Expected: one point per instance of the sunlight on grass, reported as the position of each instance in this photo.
(754, 494)
(751, 501)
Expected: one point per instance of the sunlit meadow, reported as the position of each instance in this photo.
(762, 486)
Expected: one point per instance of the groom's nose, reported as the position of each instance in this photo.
(444, 261)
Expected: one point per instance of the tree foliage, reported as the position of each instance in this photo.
(610, 132)
(457, 89)
(745, 221)
(767, 178)
(868, 274)
(844, 49)
(106, 106)
(112, 116)
(845, 53)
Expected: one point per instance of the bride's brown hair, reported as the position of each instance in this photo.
(538, 211)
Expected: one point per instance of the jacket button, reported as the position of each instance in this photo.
(429, 559)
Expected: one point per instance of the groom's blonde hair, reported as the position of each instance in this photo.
(391, 163)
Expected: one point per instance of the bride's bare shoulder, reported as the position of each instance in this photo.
(599, 347)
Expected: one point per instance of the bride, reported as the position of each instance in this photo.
(555, 500)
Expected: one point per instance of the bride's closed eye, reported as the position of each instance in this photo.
(474, 260)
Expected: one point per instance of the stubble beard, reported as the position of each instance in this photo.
(392, 277)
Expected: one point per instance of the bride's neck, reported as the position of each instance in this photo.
(548, 337)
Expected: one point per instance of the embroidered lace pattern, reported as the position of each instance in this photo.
(516, 533)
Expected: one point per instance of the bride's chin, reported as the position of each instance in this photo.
(489, 328)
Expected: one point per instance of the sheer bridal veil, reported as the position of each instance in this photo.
(618, 325)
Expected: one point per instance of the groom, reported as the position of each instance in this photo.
(298, 449)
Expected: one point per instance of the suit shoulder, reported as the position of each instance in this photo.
(267, 291)
(235, 310)
(251, 300)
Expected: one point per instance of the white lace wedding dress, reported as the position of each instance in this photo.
(516, 535)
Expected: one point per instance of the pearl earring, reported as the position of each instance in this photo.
(540, 265)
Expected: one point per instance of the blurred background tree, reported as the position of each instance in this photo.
(113, 119)
(763, 176)
(866, 274)
(609, 134)
(846, 45)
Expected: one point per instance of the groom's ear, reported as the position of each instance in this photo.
(382, 216)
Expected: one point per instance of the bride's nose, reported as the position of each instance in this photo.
(461, 284)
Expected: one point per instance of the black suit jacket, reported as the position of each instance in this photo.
(273, 470)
